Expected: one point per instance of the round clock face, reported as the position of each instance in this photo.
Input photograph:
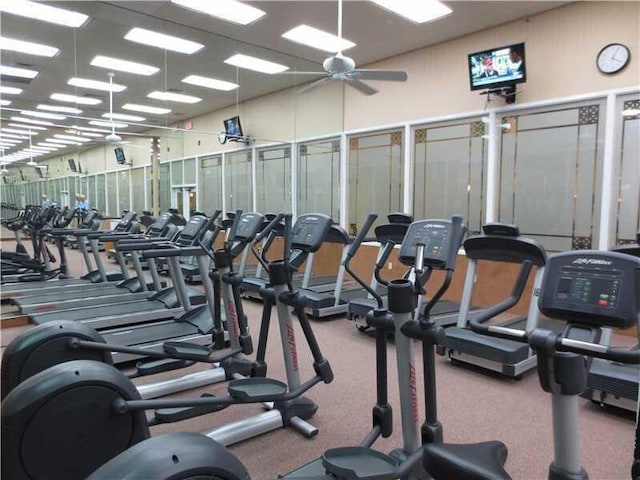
(613, 58)
(222, 138)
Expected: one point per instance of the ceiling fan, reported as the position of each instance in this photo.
(341, 67)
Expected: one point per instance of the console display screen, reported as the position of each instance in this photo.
(597, 289)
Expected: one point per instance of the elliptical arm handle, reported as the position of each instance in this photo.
(288, 234)
(615, 354)
(234, 227)
(353, 248)
(382, 260)
(268, 228)
(478, 324)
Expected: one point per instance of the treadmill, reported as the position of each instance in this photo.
(499, 242)
(23, 289)
(196, 325)
(612, 383)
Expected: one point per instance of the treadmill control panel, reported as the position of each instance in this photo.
(193, 227)
(249, 226)
(309, 231)
(434, 235)
(125, 221)
(592, 287)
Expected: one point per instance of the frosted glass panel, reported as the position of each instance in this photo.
(176, 173)
(164, 187)
(112, 195)
(273, 180)
(99, 201)
(628, 166)
(189, 171)
(137, 190)
(375, 177)
(123, 191)
(550, 174)
(449, 172)
(210, 183)
(319, 178)
(238, 184)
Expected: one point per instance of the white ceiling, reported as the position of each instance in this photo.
(378, 34)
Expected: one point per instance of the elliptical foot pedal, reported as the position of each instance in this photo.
(170, 415)
(359, 463)
(187, 351)
(163, 365)
(256, 389)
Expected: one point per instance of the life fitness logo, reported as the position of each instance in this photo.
(234, 318)
(591, 261)
(291, 340)
(414, 392)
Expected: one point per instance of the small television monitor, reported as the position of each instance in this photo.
(120, 158)
(233, 129)
(72, 165)
(39, 172)
(497, 68)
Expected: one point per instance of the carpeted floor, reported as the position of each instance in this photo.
(472, 406)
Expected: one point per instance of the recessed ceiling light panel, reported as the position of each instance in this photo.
(255, 64)
(160, 40)
(173, 97)
(10, 90)
(95, 84)
(418, 12)
(100, 123)
(29, 48)
(123, 65)
(5, 103)
(316, 38)
(72, 138)
(63, 142)
(63, 97)
(51, 116)
(20, 125)
(122, 116)
(134, 107)
(210, 83)
(228, 10)
(45, 13)
(31, 120)
(17, 131)
(57, 108)
(17, 72)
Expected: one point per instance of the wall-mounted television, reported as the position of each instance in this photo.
(72, 165)
(120, 158)
(233, 129)
(497, 68)
(39, 172)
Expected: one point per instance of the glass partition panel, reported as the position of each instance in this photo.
(83, 186)
(91, 189)
(375, 176)
(176, 173)
(627, 155)
(164, 187)
(112, 195)
(319, 178)
(99, 199)
(148, 201)
(189, 171)
(238, 184)
(449, 171)
(550, 174)
(137, 190)
(123, 191)
(210, 183)
(71, 186)
(273, 179)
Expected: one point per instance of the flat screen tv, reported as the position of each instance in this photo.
(497, 67)
(120, 158)
(39, 172)
(232, 128)
(72, 165)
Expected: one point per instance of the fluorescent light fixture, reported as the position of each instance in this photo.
(95, 84)
(173, 97)
(18, 132)
(46, 13)
(20, 125)
(59, 108)
(319, 39)
(123, 65)
(73, 138)
(228, 10)
(210, 83)
(89, 134)
(160, 40)
(10, 90)
(51, 116)
(134, 107)
(91, 129)
(17, 72)
(122, 116)
(418, 12)
(11, 135)
(5, 103)
(63, 97)
(42, 149)
(64, 142)
(30, 48)
(100, 123)
(31, 120)
(10, 140)
(255, 64)
(50, 145)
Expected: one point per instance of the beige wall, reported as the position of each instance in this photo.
(561, 46)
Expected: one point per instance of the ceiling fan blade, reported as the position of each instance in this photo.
(361, 86)
(313, 85)
(288, 72)
(386, 75)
